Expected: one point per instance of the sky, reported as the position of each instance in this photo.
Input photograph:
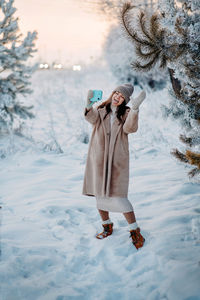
(68, 31)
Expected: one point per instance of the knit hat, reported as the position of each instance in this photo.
(126, 90)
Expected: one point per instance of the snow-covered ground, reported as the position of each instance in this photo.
(48, 244)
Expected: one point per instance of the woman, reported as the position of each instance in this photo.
(107, 167)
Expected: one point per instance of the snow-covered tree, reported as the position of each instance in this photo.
(14, 73)
(170, 39)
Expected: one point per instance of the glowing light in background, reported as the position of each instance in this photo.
(66, 32)
(44, 66)
(76, 68)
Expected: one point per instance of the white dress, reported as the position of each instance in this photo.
(113, 204)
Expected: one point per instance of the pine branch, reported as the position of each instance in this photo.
(161, 35)
(194, 172)
(147, 67)
(23, 111)
(193, 108)
(193, 158)
(143, 55)
(179, 29)
(143, 27)
(186, 140)
(153, 42)
(133, 36)
(163, 61)
(192, 71)
(179, 155)
(191, 141)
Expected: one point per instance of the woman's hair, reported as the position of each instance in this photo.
(121, 109)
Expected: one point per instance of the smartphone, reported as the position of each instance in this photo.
(97, 95)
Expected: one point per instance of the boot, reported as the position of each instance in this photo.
(108, 229)
(137, 239)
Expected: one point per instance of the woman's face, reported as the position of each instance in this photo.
(117, 99)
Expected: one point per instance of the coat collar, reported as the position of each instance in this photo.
(102, 112)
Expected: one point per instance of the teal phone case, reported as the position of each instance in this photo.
(97, 96)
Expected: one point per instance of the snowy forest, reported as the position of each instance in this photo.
(48, 248)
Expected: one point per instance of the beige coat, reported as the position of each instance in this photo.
(107, 166)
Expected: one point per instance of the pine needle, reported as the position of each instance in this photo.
(194, 172)
(179, 155)
(146, 67)
(143, 27)
(186, 140)
(163, 61)
(132, 34)
(154, 27)
(143, 55)
(194, 158)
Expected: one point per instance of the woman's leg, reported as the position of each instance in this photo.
(107, 225)
(104, 214)
(130, 217)
(135, 234)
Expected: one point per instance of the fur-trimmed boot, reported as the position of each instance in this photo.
(137, 239)
(108, 229)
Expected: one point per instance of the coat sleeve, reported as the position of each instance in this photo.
(131, 123)
(91, 115)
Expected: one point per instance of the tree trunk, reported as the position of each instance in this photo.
(176, 84)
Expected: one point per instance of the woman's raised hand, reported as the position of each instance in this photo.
(89, 96)
(138, 100)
